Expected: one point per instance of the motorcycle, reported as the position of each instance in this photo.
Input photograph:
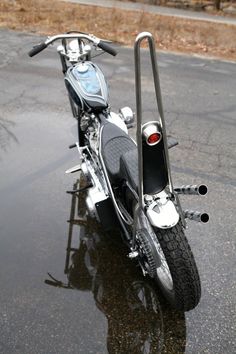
(129, 183)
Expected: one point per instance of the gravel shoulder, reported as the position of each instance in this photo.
(172, 33)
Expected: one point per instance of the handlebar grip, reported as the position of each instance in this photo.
(104, 46)
(37, 49)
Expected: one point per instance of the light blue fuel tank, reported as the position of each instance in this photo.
(87, 86)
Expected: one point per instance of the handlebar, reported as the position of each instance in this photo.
(37, 49)
(89, 37)
(107, 48)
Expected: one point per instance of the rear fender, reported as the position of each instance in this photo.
(161, 211)
(155, 171)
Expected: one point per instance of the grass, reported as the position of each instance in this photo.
(171, 33)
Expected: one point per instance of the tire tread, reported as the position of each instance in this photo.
(178, 254)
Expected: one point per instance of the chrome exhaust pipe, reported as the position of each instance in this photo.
(192, 189)
(196, 216)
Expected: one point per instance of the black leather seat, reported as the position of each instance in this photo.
(119, 155)
(129, 167)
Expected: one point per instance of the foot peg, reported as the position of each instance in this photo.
(73, 169)
(133, 255)
(72, 146)
(83, 189)
(171, 142)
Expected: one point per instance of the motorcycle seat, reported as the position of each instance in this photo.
(116, 146)
(129, 167)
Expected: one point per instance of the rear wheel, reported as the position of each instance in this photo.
(177, 275)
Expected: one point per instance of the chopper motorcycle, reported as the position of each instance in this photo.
(129, 182)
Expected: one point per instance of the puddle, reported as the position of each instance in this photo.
(138, 319)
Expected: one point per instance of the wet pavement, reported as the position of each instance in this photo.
(96, 300)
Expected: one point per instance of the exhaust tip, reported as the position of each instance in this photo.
(196, 216)
(204, 217)
(202, 189)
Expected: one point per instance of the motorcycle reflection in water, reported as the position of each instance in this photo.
(139, 320)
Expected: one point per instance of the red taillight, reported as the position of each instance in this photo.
(151, 133)
(153, 138)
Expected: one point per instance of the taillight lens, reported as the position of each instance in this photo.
(153, 138)
(151, 133)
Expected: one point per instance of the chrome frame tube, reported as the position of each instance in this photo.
(138, 90)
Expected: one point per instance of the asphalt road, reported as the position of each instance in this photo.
(108, 307)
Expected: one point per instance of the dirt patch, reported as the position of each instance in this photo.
(171, 33)
(215, 7)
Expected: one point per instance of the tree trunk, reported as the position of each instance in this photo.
(217, 4)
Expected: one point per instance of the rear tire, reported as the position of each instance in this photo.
(186, 290)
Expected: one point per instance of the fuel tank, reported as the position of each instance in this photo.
(87, 86)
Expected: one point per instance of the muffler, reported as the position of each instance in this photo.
(192, 189)
(196, 216)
